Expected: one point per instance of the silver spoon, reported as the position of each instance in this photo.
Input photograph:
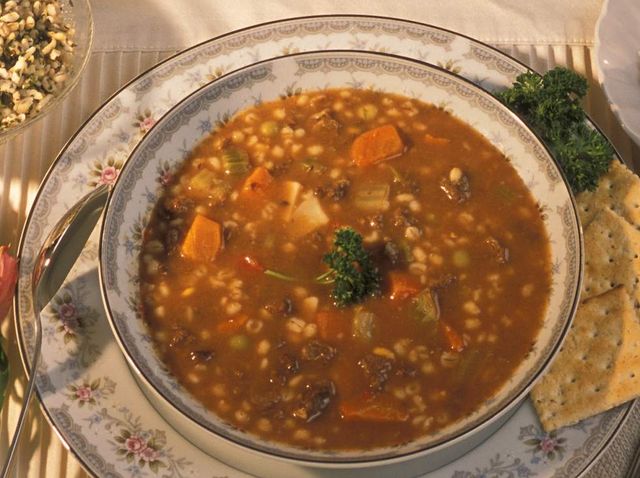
(55, 259)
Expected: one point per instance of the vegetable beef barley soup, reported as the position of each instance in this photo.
(344, 269)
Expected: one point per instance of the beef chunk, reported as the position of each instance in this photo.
(288, 365)
(324, 121)
(201, 356)
(458, 191)
(315, 398)
(283, 308)
(339, 189)
(377, 369)
(177, 205)
(402, 217)
(266, 401)
(180, 337)
(171, 240)
(497, 250)
(393, 252)
(316, 350)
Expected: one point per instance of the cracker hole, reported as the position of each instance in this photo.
(597, 389)
(632, 375)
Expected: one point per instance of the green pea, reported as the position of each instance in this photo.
(461, 258)
(238, 342)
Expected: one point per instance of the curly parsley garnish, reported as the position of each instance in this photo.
(353, 273)
(551, 105)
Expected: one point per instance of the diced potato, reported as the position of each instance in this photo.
(289, 197)
(308, 217)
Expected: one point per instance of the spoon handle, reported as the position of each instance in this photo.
(26, 401)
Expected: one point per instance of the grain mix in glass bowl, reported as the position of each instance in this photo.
(45, 46)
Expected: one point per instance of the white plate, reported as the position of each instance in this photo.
(618, 60)
(84, 384)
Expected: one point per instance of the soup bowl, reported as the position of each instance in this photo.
(166, 146)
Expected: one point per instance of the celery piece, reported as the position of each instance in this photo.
(236, 161)
(363, 324)
(426, 306)
(372, 198)
(207, 184)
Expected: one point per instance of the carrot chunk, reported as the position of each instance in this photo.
(372, 412)
(203, 240)
(332, 326)
(435, 140)
(258, 181)
(376, 145)
(455, 341)
(402, 285)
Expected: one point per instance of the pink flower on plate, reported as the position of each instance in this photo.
(135, 444)
(84, 394)
(67, 311)
(149, 454)
(165, 178)
(8, 277)
(108, 175)
(547, 444)
(147, 123)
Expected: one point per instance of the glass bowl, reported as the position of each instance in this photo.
(78, 14)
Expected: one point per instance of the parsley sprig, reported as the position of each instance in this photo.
(551, 105)
(352, 271)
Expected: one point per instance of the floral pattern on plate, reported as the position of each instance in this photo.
(112, 133)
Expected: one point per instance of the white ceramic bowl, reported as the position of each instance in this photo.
(618, 61)
(165, 146)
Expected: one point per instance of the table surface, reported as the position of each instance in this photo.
(123, 48)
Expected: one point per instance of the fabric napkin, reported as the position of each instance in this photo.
(176, 24)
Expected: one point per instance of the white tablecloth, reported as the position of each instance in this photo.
(131, 36)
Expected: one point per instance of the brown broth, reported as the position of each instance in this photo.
(241, 340)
